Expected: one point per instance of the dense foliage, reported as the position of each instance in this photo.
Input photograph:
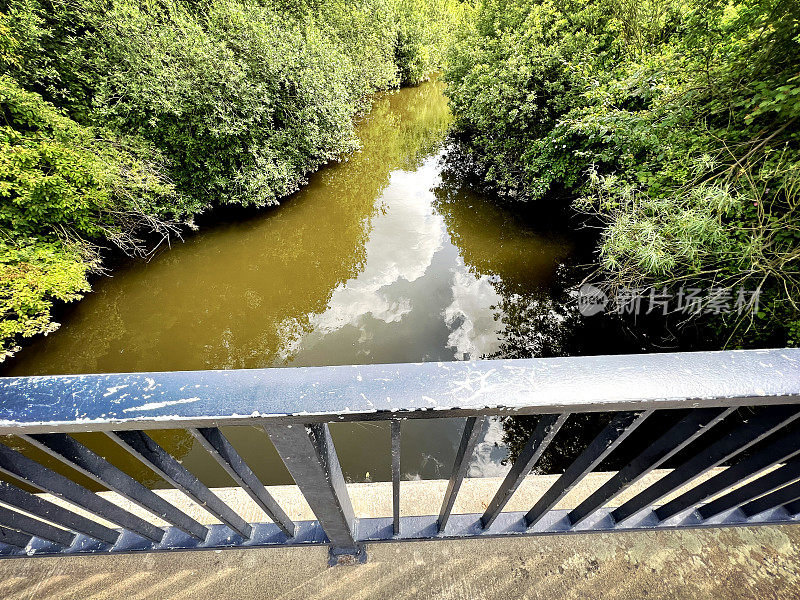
(123, 118)
(672, 122)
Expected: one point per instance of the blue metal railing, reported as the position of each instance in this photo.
(686, 400)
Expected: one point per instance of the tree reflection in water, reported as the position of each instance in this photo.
(537, 314)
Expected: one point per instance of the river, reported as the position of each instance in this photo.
(387, 256)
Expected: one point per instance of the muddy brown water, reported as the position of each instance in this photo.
(380, 258)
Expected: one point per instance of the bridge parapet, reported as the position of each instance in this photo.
(740, 409)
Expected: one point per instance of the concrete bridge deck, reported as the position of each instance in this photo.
(734, 563)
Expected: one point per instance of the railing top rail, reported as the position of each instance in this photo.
(70, 403)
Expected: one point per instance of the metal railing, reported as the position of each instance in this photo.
(692, 403)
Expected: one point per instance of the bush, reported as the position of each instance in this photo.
(61, 185)
(123, 118)
(672, 122)
(59, 177)
(34, 272)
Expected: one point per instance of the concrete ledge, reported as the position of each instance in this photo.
(761, 562)
(375, 499)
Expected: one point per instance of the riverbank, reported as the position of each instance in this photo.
(124, 121)
(672, 126)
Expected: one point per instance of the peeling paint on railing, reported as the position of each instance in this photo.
(363, 392)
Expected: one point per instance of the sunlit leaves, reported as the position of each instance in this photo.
(674, 123)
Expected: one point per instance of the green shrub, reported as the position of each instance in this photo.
(61, 186)
(249, 101)
(672, 122)
(123, 118)
(33, 273)
(57, 176)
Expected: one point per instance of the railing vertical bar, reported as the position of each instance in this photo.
(793, 508)
(32, 473)
(784, 495)
(79, 457)
(34, 505)
(14, 538)
(395, 435)
(754, 489)
(35, 527)
(620, 427)
(213, 440)
(784, 447)
(149, 453)
(744, 436)
(472, 429)
(546, 429)
(310, 457)
(687, 430)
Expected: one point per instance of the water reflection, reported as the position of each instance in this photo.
(220, 300)
(515, 267)
(405, 236)
(386, 257)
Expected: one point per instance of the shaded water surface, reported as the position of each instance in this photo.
(385, 257)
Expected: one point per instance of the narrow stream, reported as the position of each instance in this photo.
(386, 257)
